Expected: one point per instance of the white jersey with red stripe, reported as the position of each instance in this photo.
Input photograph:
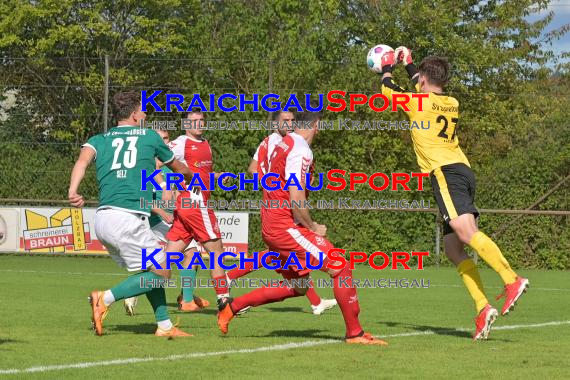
(264, 151)
(291, 156)
(197, 155)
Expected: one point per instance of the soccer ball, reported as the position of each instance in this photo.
(374, 58)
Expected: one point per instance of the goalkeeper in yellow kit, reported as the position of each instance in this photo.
(438, 153)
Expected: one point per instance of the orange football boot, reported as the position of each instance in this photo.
(224, 317)
(366, 338)
(98, 311)
(174, 332)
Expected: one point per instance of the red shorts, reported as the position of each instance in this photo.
(198, 223)
(305, 243)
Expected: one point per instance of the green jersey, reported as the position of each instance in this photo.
(154, 218)
(120, 156)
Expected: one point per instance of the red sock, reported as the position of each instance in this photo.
(347, 299)
(248, 267)
(221, 286)
(264, 296)
(312, 295)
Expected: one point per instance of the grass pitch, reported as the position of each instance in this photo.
(45, 330)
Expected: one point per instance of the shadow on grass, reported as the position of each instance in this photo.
(446, 331)
(142, 328)
(286, 309)
(312, 333)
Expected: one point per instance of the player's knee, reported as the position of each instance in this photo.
(301, 291)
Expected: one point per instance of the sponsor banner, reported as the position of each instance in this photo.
(59, 230)
(9, 229)
(71, 230)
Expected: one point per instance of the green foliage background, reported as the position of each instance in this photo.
(514, 106)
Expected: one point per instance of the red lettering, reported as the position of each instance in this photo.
(384, 185)
(354, 102)
(420, 256)
(374, 97)
(421, 177)
(336, 258)
(362, 258)
(403, 182)
(420, 98)
(404, 102)
(384, 257)
(353, 181)
(403, 261)
(340, 101)
(340, 180)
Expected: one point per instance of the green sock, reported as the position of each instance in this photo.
(187, 285)
(157, 299)
(132, 285)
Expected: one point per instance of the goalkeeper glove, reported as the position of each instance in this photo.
(404, 55)
(387, 62)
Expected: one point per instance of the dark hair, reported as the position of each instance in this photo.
(275, 115)
(436, 69)
(309, 117)
(125, 103)
(197, 110)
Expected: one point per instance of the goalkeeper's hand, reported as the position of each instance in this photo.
(388, 61)
(404, 55)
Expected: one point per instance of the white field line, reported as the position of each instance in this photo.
(126, 274)
(277, 347)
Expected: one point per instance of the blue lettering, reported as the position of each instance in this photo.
(221, 260)
(292, 99)
(221, 181)
(292, 260)
(145, 180)
(292, 178)
(174, 99)
(308, 182)
(150, 258)
(150, 100)
(308, 103)
(276, 105)
(174, 179)
(196, 102)
(274, 183)
(221, 102)
(174, 258)
(254, 102)
(243, 181)
(275, 261)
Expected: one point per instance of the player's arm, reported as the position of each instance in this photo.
(86, 156)
(389, 60)
(178, 167)
(167, 217)
(252, 168)
(297, 164)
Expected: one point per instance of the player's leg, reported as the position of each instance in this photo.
(159, 230)
(261, 296)
(187, 300)
(248, 267)
(486, 314)
(318, 305)
(125, 235)
(456, 188)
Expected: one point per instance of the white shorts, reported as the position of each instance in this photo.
(125, 234)
(162, 228)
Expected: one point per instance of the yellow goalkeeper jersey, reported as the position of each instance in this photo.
(437, 145)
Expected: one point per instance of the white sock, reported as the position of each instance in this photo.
(108, 297)
(165, 325)
(226, 295)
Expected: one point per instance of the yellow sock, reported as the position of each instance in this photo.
(492, 255)
(470, 275)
